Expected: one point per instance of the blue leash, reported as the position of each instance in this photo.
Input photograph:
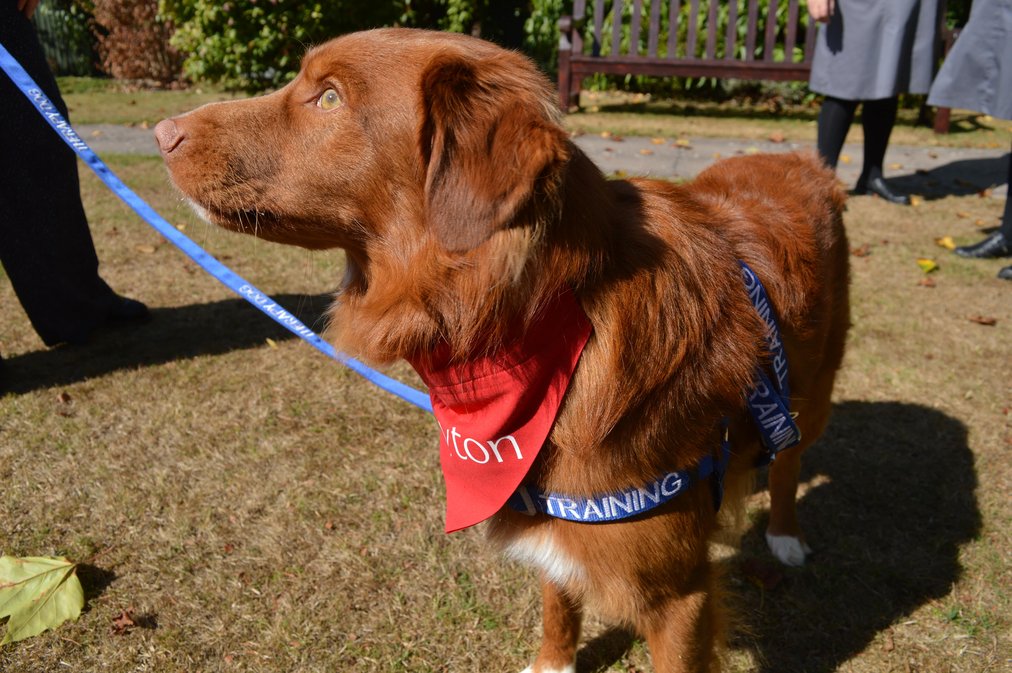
(225, 275)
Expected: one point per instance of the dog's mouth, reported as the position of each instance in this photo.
(253, 221)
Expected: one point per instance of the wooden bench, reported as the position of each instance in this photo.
(684, 38)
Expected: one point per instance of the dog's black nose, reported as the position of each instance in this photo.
(168, 135)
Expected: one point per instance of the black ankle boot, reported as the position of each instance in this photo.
(878, 186)
(995, 245)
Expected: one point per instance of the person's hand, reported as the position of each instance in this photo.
(27, 7)
(821, 10)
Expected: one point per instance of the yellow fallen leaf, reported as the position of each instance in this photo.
(181, 227)
(895, 167)
(915, 200)
(962, 215)
(946, 242)
(716, 155)
(658, 141)
(606, 134)
(683, 142)
(272, 343)
(146, 249)
(927, 265)
(646, 152)
(844, 158)
(751, 150)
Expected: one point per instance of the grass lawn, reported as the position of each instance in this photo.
(257, 507)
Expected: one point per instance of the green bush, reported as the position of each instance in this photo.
(258, 44)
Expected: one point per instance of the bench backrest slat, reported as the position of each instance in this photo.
(674, 9)
(771, 31)
(655, 28)
(752, 29)
(616, 27)
(690, 43)
(731, 40)
(634, 27)
(695, 30)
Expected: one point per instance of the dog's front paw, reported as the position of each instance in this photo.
(789, 550)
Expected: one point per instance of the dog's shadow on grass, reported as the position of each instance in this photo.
(171, 334)
(890, 502)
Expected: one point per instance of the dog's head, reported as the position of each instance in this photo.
(383, 129)
(437, 162)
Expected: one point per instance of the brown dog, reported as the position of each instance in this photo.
(437, 162)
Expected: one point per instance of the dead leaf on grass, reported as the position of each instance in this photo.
(64, 398)
(927, 265)
(895, 166)
(946, 242)
(682, 143)
(861, 251)
(646, 151)
(777, 137)
(916, 200)
(146, 249)
(963, 215)
(123, 622)
(271, 342)
(984, 320)
(844, 158)
(658, 141)
(927, 281)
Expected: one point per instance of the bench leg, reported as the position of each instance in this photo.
(943, 116)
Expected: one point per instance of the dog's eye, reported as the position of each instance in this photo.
(329, 100)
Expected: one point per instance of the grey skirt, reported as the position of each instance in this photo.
(977, 73)
(873, 49)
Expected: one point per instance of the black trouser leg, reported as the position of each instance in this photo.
(45, 244)
(877, 118)
(835, 118)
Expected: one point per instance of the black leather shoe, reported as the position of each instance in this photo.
(127, 310)
(879, 187)
(1005, 273)
(995, 245)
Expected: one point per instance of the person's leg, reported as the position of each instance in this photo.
(835, 118)
(999, 243)
(45, 244)
(877, 119)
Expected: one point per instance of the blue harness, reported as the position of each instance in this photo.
(768, 403)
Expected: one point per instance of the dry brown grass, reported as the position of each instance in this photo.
(262, 509)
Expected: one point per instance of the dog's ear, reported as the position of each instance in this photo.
(487, 149)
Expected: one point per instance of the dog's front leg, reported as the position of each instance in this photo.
(682, 632)
(561, 617)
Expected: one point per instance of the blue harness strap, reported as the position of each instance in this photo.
(768, 403)
(626, 503)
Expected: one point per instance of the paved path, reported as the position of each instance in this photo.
(929, 171)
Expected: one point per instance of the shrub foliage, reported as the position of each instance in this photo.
(133, 41)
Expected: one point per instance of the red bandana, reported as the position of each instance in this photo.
(495, 412)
